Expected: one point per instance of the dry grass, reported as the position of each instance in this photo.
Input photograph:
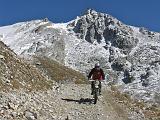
(19, 73)
(59, 72)
(150, 112)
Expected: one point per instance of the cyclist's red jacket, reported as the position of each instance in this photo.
(96, 74)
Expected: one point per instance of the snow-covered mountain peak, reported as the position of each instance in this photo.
(103, 28)
(126, 52)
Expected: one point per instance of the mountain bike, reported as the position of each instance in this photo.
(96, 90)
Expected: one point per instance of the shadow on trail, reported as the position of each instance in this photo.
(81, 101)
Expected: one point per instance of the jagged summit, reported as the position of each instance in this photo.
(90, 11)
(104, 29)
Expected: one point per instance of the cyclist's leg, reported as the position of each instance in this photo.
(100, 86)
(92, 87)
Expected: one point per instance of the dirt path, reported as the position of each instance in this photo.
(77, 102)
(63, 101)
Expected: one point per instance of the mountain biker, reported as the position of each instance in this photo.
(96, 74)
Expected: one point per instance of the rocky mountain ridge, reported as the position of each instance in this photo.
(130, 55)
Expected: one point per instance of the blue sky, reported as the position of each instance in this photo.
(144, 13)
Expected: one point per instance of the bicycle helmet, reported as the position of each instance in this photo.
(97, 65)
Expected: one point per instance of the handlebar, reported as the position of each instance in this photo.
(92, 80)
(95, 80)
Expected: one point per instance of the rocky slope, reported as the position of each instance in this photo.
(71, 102)
(129, 54)
(62, 102)
(15, 73)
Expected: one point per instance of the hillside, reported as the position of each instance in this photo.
(129, 55)
(15, 73)
(58, 72)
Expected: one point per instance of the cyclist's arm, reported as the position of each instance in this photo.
(90, 74)
(103, 75)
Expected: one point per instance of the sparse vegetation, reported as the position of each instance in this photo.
(150, 112)
(16, 73)
(59, 72)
